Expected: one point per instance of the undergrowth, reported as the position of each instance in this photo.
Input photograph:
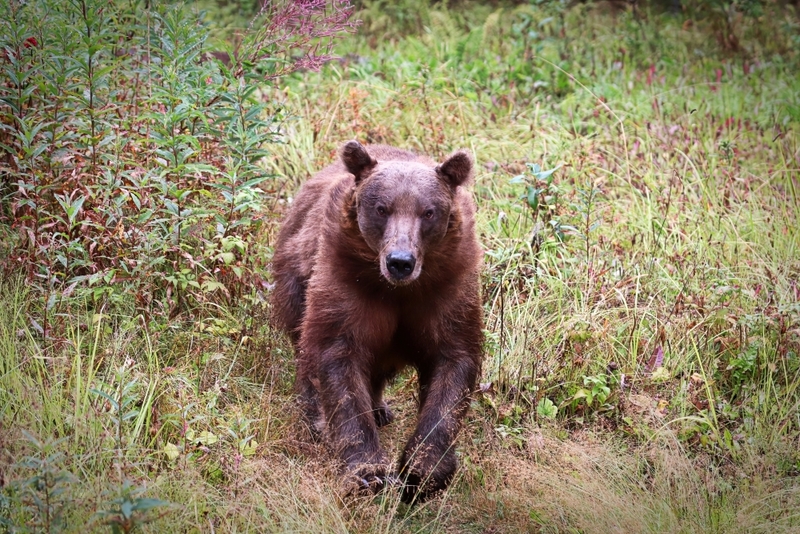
(638, 177)
(132, 148)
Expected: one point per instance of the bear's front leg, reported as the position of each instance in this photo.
(346, 400)
(429, 461)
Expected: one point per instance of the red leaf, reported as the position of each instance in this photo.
(656, 360)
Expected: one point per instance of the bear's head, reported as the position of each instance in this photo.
(404, 206)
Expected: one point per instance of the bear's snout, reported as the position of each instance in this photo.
(400, 264)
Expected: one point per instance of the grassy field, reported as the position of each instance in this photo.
(638, 188)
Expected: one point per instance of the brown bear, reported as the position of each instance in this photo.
(376, 268)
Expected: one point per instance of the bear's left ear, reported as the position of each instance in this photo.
(456, 169)
(357, 160)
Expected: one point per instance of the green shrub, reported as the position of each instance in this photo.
(132, 154)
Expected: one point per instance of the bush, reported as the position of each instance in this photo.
(131, 152)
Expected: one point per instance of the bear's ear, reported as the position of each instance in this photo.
(456, 169)
(356, 159)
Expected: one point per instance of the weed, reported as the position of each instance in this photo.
(542, 197)
(128, 511)
(43, 489)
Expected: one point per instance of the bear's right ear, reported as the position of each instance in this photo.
(356, 159)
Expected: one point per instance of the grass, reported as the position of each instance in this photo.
(650, 295)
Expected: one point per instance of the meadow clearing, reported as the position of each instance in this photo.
(638, 188)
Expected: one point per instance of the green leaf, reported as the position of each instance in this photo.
(143, 505)
(534, 168)
(546, 408)
(249, 449)
(254, 181)
(172, 451)
(533, 197)
(171, 207)
(584, 394)
(206, 438)
(74, 208)
(127, 509)
(660, 375)
(546, 175)
(209, 286)
(106, 396)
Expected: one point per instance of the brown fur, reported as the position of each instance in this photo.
(376, 268)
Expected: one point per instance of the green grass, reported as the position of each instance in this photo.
(653, 298)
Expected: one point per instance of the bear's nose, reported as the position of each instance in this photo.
(400, 264)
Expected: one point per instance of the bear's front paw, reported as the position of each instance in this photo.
(418, 488)
(426, 475)
(364, 479)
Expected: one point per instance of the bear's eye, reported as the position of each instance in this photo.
(428, 214)
(381, 211)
